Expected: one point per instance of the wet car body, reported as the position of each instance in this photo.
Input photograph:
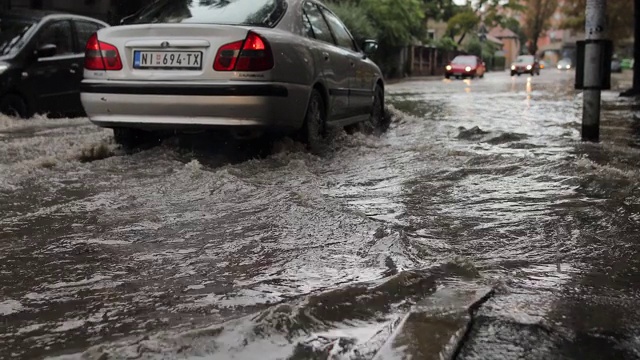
(263, 74)
(41, 56)
(465, 66)
(525, 64)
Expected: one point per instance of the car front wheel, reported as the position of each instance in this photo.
(378, 122)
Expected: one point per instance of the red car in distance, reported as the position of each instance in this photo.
(465, 66)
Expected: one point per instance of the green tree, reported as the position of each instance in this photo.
(397, 21)
(537, 16)
(462, 23)
(356, 19)
(440, 9)
(496, 12)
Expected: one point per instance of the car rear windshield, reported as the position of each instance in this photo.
(13, 33)
(266, 13)
(464, 60)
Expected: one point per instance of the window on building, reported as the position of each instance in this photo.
(431, 34)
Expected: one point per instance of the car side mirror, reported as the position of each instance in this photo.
(46, 51)
(370, 47)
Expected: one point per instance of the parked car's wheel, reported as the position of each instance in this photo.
(13, 105)
(128, 138)
(315, 126)
(513, 73)
(447, 76)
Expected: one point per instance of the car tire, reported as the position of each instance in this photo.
(128, 138)
(513, 73)
(314, 130)
(14, 105)
(447, 77)
(378, 123)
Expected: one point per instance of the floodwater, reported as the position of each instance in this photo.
(478, 227)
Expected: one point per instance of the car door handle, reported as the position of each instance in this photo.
(353, 64)
(326, 56)
(74, 68)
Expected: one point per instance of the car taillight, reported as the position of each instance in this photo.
(252, 54)
(101, 56)
(227, 57)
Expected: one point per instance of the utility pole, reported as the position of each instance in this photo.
(594, 55)
(636, 48)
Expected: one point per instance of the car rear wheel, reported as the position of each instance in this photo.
(315, 126)
(13, 105)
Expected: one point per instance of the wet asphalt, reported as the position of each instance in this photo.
(478, 227)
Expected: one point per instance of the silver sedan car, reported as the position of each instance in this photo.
(246, 66)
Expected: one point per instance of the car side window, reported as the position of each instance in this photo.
(318, 24)
(307, 29)
(59, 34)
(341, 33)
(84, 30)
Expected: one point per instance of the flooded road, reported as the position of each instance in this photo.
(478, 227)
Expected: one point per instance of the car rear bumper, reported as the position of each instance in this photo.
(148, 105)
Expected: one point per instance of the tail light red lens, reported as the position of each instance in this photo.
(252, 54)
(101, 56)
(227, 57)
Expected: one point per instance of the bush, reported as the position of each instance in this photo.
(474, 47)
(446, 44)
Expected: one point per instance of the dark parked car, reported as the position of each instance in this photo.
(41, 61)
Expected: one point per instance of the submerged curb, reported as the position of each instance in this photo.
(437, 328)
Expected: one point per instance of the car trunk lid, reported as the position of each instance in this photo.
(171, 52)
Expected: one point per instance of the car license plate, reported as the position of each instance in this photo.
(186, 60)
